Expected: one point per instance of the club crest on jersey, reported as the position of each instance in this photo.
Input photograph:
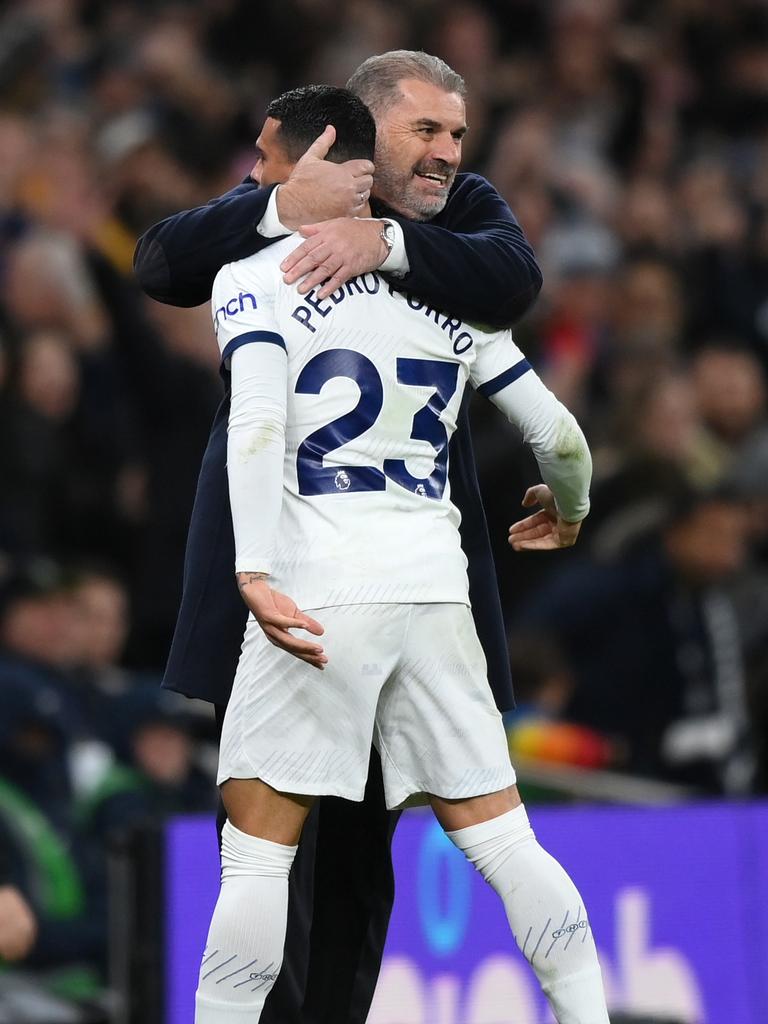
(342, 481)
(421, 490)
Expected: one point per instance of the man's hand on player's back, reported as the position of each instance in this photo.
(544, 530)
(334, 252)
(318, 189)
(277, 613)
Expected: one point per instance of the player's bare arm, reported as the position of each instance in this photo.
(277, 614)
(244, 578)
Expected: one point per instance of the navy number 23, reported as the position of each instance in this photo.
(315, 478)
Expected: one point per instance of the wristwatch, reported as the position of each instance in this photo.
(388, 237)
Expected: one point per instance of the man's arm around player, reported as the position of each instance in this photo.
(473, 258)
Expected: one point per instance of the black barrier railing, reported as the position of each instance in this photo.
(137, 927)
(631, 1018)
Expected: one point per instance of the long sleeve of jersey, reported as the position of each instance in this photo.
(502, 373)
(255, 451)
(255, 363)
(556, 440)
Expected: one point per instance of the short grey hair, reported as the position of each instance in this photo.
(376, 80)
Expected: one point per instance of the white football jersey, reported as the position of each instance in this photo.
(375, 380)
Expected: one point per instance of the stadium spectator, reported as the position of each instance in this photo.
(102, 602)
(544, 686)
(159, 773)
(669, 600)
(651, 443)
(731, 394)
(39, 623)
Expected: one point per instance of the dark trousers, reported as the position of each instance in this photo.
(340, 896)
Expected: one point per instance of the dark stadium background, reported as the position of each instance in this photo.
(631, 141)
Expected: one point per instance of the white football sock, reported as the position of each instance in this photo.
(244, 951)
(544, 909)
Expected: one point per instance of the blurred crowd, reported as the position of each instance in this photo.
(630, 139)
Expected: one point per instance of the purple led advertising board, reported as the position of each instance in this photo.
(677, 897)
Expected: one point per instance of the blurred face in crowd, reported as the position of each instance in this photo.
(667, 422)
(25, 624)
(646, 216)
(648, 304)
(730, 390)
(42, 627)
(418, 149)
(163, 752)
(581, 46)
(467, 40)
(709, 544)
(273, 165)
(48, 376)
(103, 608)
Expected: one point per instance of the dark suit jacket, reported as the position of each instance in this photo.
(473, 260)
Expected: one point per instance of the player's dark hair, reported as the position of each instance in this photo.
(304, 113)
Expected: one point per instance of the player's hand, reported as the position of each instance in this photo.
(18, 927)
(277, 613)
(544, 530)
(335, 251)
(320, 190)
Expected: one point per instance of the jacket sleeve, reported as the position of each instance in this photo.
(474, 261)
(176, 260)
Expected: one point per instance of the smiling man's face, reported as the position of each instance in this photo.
(418, 149)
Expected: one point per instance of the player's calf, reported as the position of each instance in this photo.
(544, 909)
(244, 951)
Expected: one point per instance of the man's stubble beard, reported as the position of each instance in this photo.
(398, 189)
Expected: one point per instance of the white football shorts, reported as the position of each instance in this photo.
(409, 678)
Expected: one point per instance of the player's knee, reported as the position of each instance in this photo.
(247, 855)
(256, 809)
(458, 814)
(491, 844)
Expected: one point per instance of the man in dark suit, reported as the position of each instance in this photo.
(453, 242)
